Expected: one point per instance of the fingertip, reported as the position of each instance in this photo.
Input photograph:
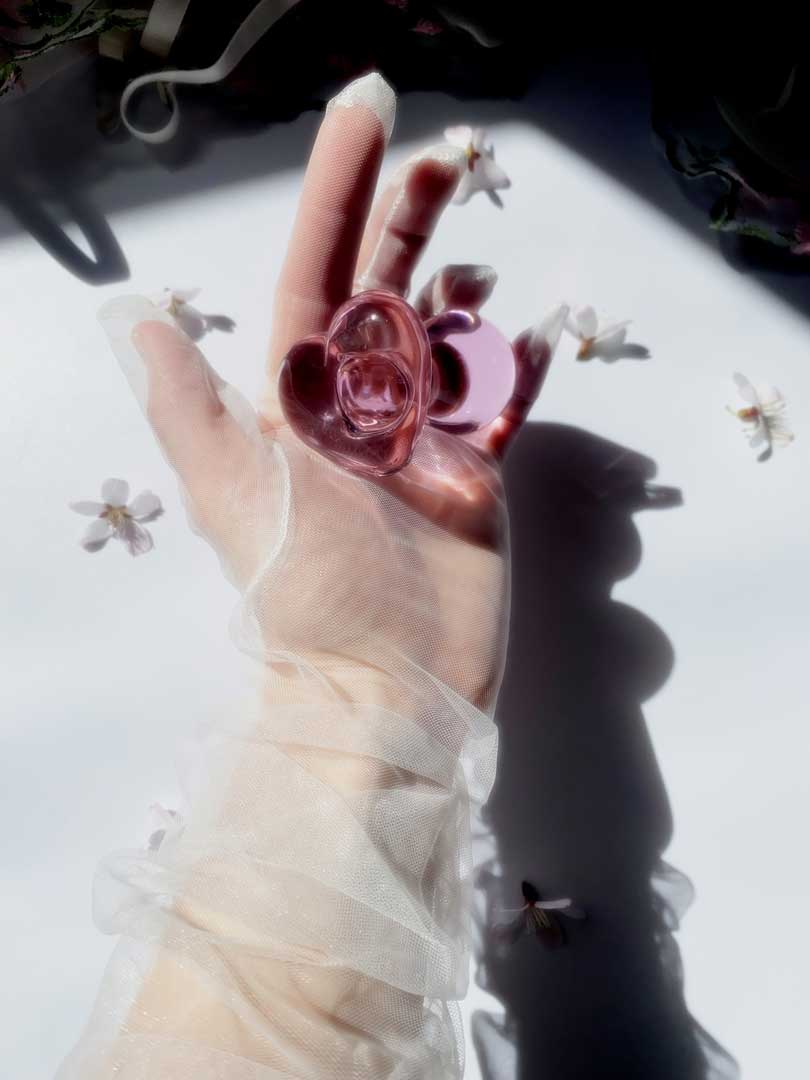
(432, 180)
(155, 338)
(371, 92)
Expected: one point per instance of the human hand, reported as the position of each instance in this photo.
(317, 922)
(345, 584)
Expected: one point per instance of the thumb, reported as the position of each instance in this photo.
(208, 432)
(194, 413)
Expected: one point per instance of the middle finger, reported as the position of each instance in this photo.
(404, 217)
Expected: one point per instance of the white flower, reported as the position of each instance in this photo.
(763, 416)
(171, 824)
(538, 918)
(116, 518)
(482, 172)
(595, 340)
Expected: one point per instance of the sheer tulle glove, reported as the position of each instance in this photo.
(309, 919)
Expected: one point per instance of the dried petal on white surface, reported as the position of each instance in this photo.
(88, 507)
(145, 507)
(763, 416)
(595, 339)
(114, 518)
(483, 173)
(96, 533)
(115, 492)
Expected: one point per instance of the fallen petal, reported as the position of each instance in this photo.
(467, 187)
(554, 905)
(96, 534)
(478, 138)
(184, 296)
(115, 492)
(605, 345)
(144, 506)
(137, 539)
(492, 176)
(88, 508)
(587, 323)
(613, 330)
(461, 135)
(758, 436)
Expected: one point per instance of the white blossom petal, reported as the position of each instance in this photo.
(758, 434)
(491, 175)
(478, 138)
(184, 296)
(96, 534)
(604, 344)
(144, 506)
(470, 183)
(137, 539)
(769, 398)
(164, 299)
(459, 136)
(88, 507)
(587, 323)
(467, 187)
(616, 330)
(782, 436)
(115, 492)
(745, 389)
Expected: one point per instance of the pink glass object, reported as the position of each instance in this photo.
(473, 376)
(361, 393)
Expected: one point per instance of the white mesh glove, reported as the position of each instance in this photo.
(310, 919)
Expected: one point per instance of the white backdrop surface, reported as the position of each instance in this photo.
(109, 661)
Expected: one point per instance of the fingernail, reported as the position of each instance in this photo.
(372, 91)
(462, 285)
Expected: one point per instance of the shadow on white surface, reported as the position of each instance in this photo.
(580, 807)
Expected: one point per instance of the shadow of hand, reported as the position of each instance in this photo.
(579, 807)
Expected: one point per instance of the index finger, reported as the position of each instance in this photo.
(338, 187)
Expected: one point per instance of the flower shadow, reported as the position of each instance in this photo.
(197, 323)
(579, 806)
(626, 350)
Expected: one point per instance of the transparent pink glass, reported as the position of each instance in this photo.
(361, 393)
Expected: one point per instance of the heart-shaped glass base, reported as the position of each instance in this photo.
(361, 393)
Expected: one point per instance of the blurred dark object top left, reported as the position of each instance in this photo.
(468, 49)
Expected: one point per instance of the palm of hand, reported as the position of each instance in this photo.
(411, 565)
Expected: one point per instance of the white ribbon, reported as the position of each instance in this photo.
(258, 22)
(162, 26)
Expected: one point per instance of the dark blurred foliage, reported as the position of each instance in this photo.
(733, 123)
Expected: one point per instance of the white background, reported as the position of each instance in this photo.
(108, 661)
